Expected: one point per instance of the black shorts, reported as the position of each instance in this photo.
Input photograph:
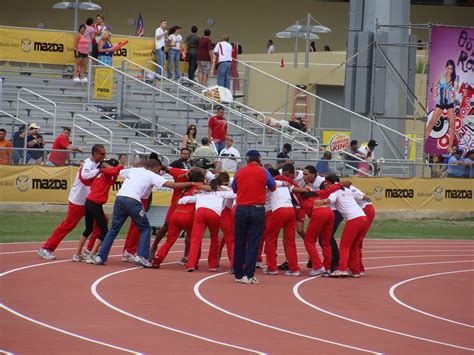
(445, 107)
(81, 55)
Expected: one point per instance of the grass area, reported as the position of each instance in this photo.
(37, 226)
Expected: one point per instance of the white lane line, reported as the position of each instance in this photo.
(5, 352)
(18, 314)
(199, 295)
(391, 292)
(301, 299)
(131, 315)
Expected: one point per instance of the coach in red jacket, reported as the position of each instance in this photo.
(250, 184)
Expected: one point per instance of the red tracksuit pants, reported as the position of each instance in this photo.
(282, 218)
(73, 216)
(369, 211)
(133, 234)
(320, 223)
(349, 252)
(204, 218)
(179, 221)
(227, 226)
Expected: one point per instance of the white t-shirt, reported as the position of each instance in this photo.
(317, 182)
(281, 198)
(232, 159)
(213, 200)
(175, 41)
(346, 204)
(79, 191)
(159, 43)
(224, 51)
(271, 49)
(138, 181)
(365, 151)
(359, 197)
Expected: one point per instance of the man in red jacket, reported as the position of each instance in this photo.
(250, 184)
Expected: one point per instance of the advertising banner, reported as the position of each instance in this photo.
(450, 90)
(336, 141)
(103, 83)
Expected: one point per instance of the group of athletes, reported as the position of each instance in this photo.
(202, 200)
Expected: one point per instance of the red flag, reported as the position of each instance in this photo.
(282, 63)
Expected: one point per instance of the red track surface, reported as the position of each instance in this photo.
(64, 307)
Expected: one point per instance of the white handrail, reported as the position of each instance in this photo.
(19, 99)
(92, 134)
(326, 101)
(26, 130)
(147, 148)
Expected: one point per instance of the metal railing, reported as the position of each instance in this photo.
(145, 148)
(91, 122)
(20, 99)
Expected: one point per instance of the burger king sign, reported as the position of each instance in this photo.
(336, 140)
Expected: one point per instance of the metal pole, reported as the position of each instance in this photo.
(287, 100)
(246, 85)
(427, 98)
(306, 55)
(76, 15)
(89, 81)
(295, 60)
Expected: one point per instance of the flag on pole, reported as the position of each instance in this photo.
(282, 63)
(140, 28)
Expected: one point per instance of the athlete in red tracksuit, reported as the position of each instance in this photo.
(209, 207)
(94, 212)
(356, 224)
(369, 211)
(77, 199)
(227, 220)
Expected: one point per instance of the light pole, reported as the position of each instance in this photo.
(76, 5)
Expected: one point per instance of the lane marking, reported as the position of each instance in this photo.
(37, 322)
(131, 315)
(391, 292)
(301, 299)
(199, 296)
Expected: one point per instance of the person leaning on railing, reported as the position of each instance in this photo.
(469, 161)
(61, 143)
(5, 154)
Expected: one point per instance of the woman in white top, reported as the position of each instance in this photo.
(356, 223)
(174, 52)
(270, 46)
(209, 206)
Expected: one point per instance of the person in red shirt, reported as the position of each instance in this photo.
(250, 184)
(93, 210)
(204, 57)
(217, 129)
(61, 143)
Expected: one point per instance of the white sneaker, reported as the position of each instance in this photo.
(243, 280)
(77, 258)
(362, 273)
(98, 260)
(253, 280)
(76, 79)
(84, 80)
(142, 261)
(128, 257)
(260, 265)
(90, 259)
(86, 253)
(317, 272)
(46, 254)
(338, 273)
(268, 272)
(183, 261)
(292, 273)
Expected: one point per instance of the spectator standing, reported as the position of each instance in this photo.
(36, 142)
(312, 47)
(61, 143)
(457, 165)
(189, 139)
(217, 129)
(105, 49)
(250, 184)
(204, 57)
(192, 43)
(184, 161)
(230, 157)
(283, 157)
(354, 153)
(90, 35)
(100, 29)
(270, 47)
(205, 150)
(223, 50)
(18, 140)
(5, 154)
(469, 161)
(160, 39)
(122, 159)
(323, 164)
(367, 152)
(81, 52)
(174, 53)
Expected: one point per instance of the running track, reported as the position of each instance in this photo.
(416, 298)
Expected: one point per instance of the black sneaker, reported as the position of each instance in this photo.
(283, 266)
(309, 264)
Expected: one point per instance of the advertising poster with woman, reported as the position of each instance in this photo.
(450, 91)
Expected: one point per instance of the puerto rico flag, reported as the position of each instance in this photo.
(140, 27)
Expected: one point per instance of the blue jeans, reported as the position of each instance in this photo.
(173, 57)
(223, 74)
(219, 146)
(125, 207)
(249, 225)
(160, 59)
